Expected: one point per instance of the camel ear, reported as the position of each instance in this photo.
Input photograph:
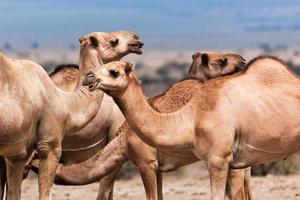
(205, 59)
(196, 55)
(129, 67)
(94, 41)
(81, 39)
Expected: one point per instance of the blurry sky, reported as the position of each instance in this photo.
(161, 23)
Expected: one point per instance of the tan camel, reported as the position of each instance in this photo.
(127, 146)
(81, 145)
(230, 122)
(42, 114)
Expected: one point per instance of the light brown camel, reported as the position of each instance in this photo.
(42, 114)
(81, 145)
(231, 122)
(150, 162)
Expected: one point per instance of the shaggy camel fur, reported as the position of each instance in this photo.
(150, 162)
(231, 122)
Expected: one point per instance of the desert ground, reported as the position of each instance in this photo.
(188, 184)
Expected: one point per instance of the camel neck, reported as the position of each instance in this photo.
(161, 130)
(83, 105)
(89, 58)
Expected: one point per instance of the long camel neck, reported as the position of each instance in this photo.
(161, 130)
(95, 168)
(82, 104)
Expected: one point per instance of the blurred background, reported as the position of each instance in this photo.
(47, 32)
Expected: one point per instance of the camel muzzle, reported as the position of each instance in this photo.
(91, 80)
(135, 47)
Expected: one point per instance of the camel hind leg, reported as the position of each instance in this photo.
(2, 177)
(107, 185)
(247, 184)
(238, 184)
(159, 177)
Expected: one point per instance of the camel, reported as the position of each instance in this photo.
(208, 65)
(127, 146)
(230, 122)
(81, 145)
(42, 114)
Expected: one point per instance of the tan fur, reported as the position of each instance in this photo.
(83, 144)
(50, 113)
(141, 154)
(35, 115)
(228, 134)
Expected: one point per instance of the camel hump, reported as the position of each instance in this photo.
(270, 70)
(64, 67)
(266, 60)
(65, 77)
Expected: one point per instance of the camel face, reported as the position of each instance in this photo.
(112, 46)
(112, 77)
(208, 65)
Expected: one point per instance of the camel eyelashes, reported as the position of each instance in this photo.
(114, 43)
(94, 41)
(114, 73)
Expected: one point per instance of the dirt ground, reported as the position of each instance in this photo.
(175, 188)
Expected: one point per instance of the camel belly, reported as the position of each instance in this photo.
(170, 161)
(274, 137)
(267, 124)
(17, 125)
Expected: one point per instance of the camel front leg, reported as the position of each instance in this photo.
(148, 173)
(218, 170)
(49, 158)
(14, 174)
(2, 177)
(107, 185)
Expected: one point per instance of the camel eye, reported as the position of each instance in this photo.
(114, 43)
(222, 62)
(114, 73)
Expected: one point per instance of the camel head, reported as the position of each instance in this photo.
(112, 46)
(208, 65)
(113, 77)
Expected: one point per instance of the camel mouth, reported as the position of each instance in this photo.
(93, 86)
(135, 47)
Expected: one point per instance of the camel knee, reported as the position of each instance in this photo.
(153, 165)
(219, 162)
(149, 166)
(43, 150)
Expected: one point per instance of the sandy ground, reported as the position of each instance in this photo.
(175, 188)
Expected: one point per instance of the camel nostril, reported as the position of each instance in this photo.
(141, 44)
(89, 78)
